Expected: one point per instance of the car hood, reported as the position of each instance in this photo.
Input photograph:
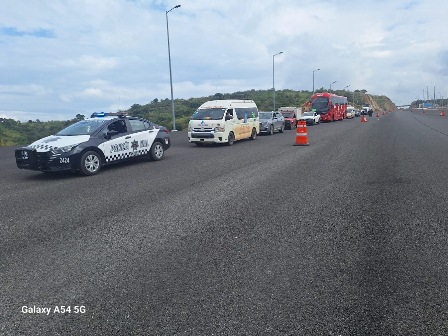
(306, 117)
(57, 141)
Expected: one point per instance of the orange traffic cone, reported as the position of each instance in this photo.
(363, 118)
(301, 135)
(442, 114)
(378, 116)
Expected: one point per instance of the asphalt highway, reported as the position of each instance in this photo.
(346, 236)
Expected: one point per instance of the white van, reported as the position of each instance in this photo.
(224, 121)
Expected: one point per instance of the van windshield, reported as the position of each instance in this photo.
(208, 114)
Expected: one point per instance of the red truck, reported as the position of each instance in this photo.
(291, 115)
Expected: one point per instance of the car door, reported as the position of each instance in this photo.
(143, 136)
(275, 121)
(117, 146)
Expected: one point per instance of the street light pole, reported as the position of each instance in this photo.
(273, 84)
(345, 87)
(169, 60)
(313, 78)
(332, 84)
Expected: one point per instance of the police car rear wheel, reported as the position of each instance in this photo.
(156, 152)
(90, 163)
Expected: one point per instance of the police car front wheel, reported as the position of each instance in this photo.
(156, 152)
(90, 163)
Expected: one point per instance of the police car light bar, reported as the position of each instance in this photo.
(107, 114)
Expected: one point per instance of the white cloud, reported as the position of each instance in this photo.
(78, 56)
(91, 63)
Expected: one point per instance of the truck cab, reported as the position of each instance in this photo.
(291, 115)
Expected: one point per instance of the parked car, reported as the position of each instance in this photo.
(87, 145)
(311, 118)
(271, 122)
(357, 113)
(291, 114)
(350, 114)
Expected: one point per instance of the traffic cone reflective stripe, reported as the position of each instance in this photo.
(301, 134)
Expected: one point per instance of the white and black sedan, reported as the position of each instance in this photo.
(89, 144)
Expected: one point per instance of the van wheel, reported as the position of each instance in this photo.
(90, 163)
(231, 139)
(253, 135)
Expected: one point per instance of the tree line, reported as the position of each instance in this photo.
(14, 132)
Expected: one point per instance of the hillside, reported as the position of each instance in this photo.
(380, 103)
(160, 111)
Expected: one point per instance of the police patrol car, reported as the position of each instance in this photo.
(102, 139)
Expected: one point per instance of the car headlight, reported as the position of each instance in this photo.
(65, 149)
(219, 129)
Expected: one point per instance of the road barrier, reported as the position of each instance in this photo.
(301, 135)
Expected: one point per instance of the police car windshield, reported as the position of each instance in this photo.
(209, 114)
(83, 127)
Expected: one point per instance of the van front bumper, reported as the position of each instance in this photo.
(207, 137)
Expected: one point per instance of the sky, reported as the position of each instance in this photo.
(60, 58)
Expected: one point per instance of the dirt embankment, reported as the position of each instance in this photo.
(379, 103)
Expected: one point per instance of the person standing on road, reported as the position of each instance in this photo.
(370, 112)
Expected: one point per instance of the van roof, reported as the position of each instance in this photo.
(228, 103)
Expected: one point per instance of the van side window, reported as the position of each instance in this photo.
(250, 112)
(240, 113)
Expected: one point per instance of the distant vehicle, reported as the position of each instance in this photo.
(311, 118)
(350, 114)
(357, 113)
(366, 108)
(224, 121)
(89, 144)
(330, 106)
(291, 115)
(271, 122)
